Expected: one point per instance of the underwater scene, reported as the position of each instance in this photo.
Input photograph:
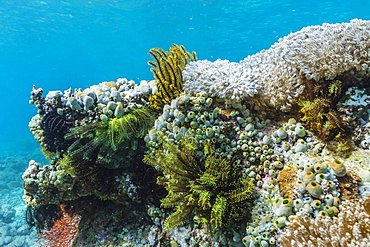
(185, 123)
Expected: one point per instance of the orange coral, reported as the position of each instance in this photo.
(62, 233)
(348, 186)
(287, 179)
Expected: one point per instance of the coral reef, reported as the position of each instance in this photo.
(276, 77)
(58, 112)
(94, 140)
(312, 67)
(62, 232)
(203, 155)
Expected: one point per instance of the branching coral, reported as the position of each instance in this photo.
(62, 233)
(167, 69)
(350, 228)
(201, 184)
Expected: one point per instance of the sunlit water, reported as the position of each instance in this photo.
(60, 44)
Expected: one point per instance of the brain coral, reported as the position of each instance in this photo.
(276, 77)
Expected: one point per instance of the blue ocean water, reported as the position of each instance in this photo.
(60, 44)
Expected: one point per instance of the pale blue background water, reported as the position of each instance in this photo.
(77, 43)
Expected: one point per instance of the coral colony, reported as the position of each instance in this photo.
(270, 151)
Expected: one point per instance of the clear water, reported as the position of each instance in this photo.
(72, 43)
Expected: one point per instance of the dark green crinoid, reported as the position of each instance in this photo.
(112, 134)
(110, 139)
(101, 152)
(202, 185)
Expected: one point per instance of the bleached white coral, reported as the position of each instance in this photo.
(221, 78)
(277, 76)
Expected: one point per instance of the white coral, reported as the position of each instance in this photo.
(220, 78)
(277, 76)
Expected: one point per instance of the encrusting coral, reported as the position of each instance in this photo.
(276, 77)
(209, 187)
(348, 186)
(350, 228)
